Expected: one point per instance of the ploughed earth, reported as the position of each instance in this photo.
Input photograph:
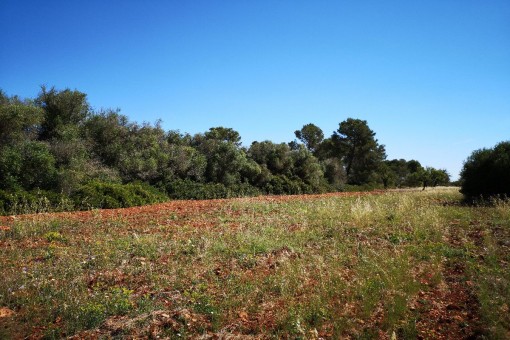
(448, 310)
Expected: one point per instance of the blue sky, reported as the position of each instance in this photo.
(432, 78)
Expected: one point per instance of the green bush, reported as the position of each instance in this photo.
(282, 185)
(111, 195)
(187, 189)
(36, 201)
(28, 165)
(486, 173)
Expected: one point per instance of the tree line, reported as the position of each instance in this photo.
(56, 149)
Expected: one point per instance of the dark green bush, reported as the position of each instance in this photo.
(187, 189)
(282, 185)
(486, 173)
(243, 190)
(36, 201)
(111, 195)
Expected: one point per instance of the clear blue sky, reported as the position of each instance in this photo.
(432, 78)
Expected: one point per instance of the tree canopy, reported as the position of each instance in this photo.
(356, 145)
(311, 135)
(486, 172)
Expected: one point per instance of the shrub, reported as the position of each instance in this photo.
(25, 202)
(283, 185)
(97, 194)
(187, 189)
(486, 173)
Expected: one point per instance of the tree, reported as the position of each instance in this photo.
(311, 135)
(224, 134)
(274, 157)
(413, 166)
(227, 163)
(185, 162)
(177, 138)
(360, 151)
(334, 172)
(400, 171)
(64, 110)
(428, 177)
(284, 167)
(486, 172)
(20, 120)
(387, 175)
(307, 168)
(415, 174)
(439, 177)
(107, 132)
(144, 154)
(27, 165)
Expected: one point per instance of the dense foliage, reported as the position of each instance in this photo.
(56, 143)
(486, 173)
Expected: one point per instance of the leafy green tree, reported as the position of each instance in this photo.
(486, 172)
(19, 120)
(334, 173)
(144, 155)
(311, 135)
(82, 171)
(355, 143)
(224, 134)
(27, 165)
(307, 168)
(415, 179)
(24, 162)
(175, 137)
(106, 133)
(399, 170)
(428, 177)
(138, 152)
(227, 163)
(438, 177)
(387, 175)
(414, 166)
(294, 167)
(274, 157)
(416, 174)
(185, 162)
(64, 111)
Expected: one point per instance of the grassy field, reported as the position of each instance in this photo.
(386, 265)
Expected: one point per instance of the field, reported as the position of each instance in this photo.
(381, 265)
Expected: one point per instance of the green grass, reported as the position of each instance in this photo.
(334, 267)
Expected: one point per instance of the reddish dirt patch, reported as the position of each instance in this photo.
(162, 213)
(450, 310)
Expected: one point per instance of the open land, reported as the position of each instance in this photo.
(381, 265)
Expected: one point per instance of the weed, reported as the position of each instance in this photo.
(53, 236)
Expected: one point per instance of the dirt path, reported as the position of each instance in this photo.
(451, 311)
